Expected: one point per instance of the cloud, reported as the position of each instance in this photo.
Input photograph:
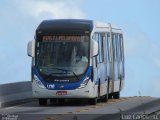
(142, 58)
(142, 47)
(55, 9)
(19, 20)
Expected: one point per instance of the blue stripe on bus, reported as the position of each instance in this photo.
(66, 86)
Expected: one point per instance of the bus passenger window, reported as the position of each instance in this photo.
(108, 47)
(117, 47)
(114, 46)
(121, 47)
(102, 45)
(97, 39)
(101, 48)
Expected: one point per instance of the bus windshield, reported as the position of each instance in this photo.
(62, 55)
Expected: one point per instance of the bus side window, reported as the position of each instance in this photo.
(114, 47)
(117, 47)
(103, 37)
(105, 47)
(108, 47)
(101, 48)
(121, 47)
(97, 39)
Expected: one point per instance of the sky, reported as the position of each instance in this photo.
(139, 20)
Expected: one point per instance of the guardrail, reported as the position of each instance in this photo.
(13, 93)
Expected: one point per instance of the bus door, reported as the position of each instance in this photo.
(99, 69)
(95, 67)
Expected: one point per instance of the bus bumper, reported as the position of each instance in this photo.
(89, 91)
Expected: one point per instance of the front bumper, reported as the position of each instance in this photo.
(87, 92)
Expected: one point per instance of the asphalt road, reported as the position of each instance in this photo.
(124, 108)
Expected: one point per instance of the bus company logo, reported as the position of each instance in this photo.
(61, 87)
(50, 86)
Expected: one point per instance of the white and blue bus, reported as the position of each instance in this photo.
(78, 59)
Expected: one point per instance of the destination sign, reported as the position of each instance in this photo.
(61, 38)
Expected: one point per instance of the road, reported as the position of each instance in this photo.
(114, 109)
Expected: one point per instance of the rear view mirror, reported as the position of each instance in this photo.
(95, 48)
(31, 48)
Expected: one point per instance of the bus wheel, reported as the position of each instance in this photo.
(116, 95)
(93, 101)
(42, 101)
(110, 96)
(105, 98)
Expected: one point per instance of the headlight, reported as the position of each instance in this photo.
(38, 82)
(84, 83)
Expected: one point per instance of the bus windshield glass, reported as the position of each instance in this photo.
(62, 55)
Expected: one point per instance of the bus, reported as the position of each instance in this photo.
(76, 59)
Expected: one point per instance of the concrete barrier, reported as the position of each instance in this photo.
(14, 93)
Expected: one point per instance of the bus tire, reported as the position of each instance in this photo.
(110, 96)
(42, 101)
(105, 98)
(116, 95)
(93, 101)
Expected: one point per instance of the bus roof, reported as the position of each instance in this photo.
(106, 26)
(59, 26)
(64, 25)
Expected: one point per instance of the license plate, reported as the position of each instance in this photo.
(61, 93)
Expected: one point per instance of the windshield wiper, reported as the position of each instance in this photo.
(69, 71)
(64, 72)
(75, 75)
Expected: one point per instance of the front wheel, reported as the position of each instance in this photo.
(116, 95)
(42, 101)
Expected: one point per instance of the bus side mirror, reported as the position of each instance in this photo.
(31, 48)
(95, 48)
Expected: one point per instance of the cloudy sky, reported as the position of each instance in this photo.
(139, 20)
